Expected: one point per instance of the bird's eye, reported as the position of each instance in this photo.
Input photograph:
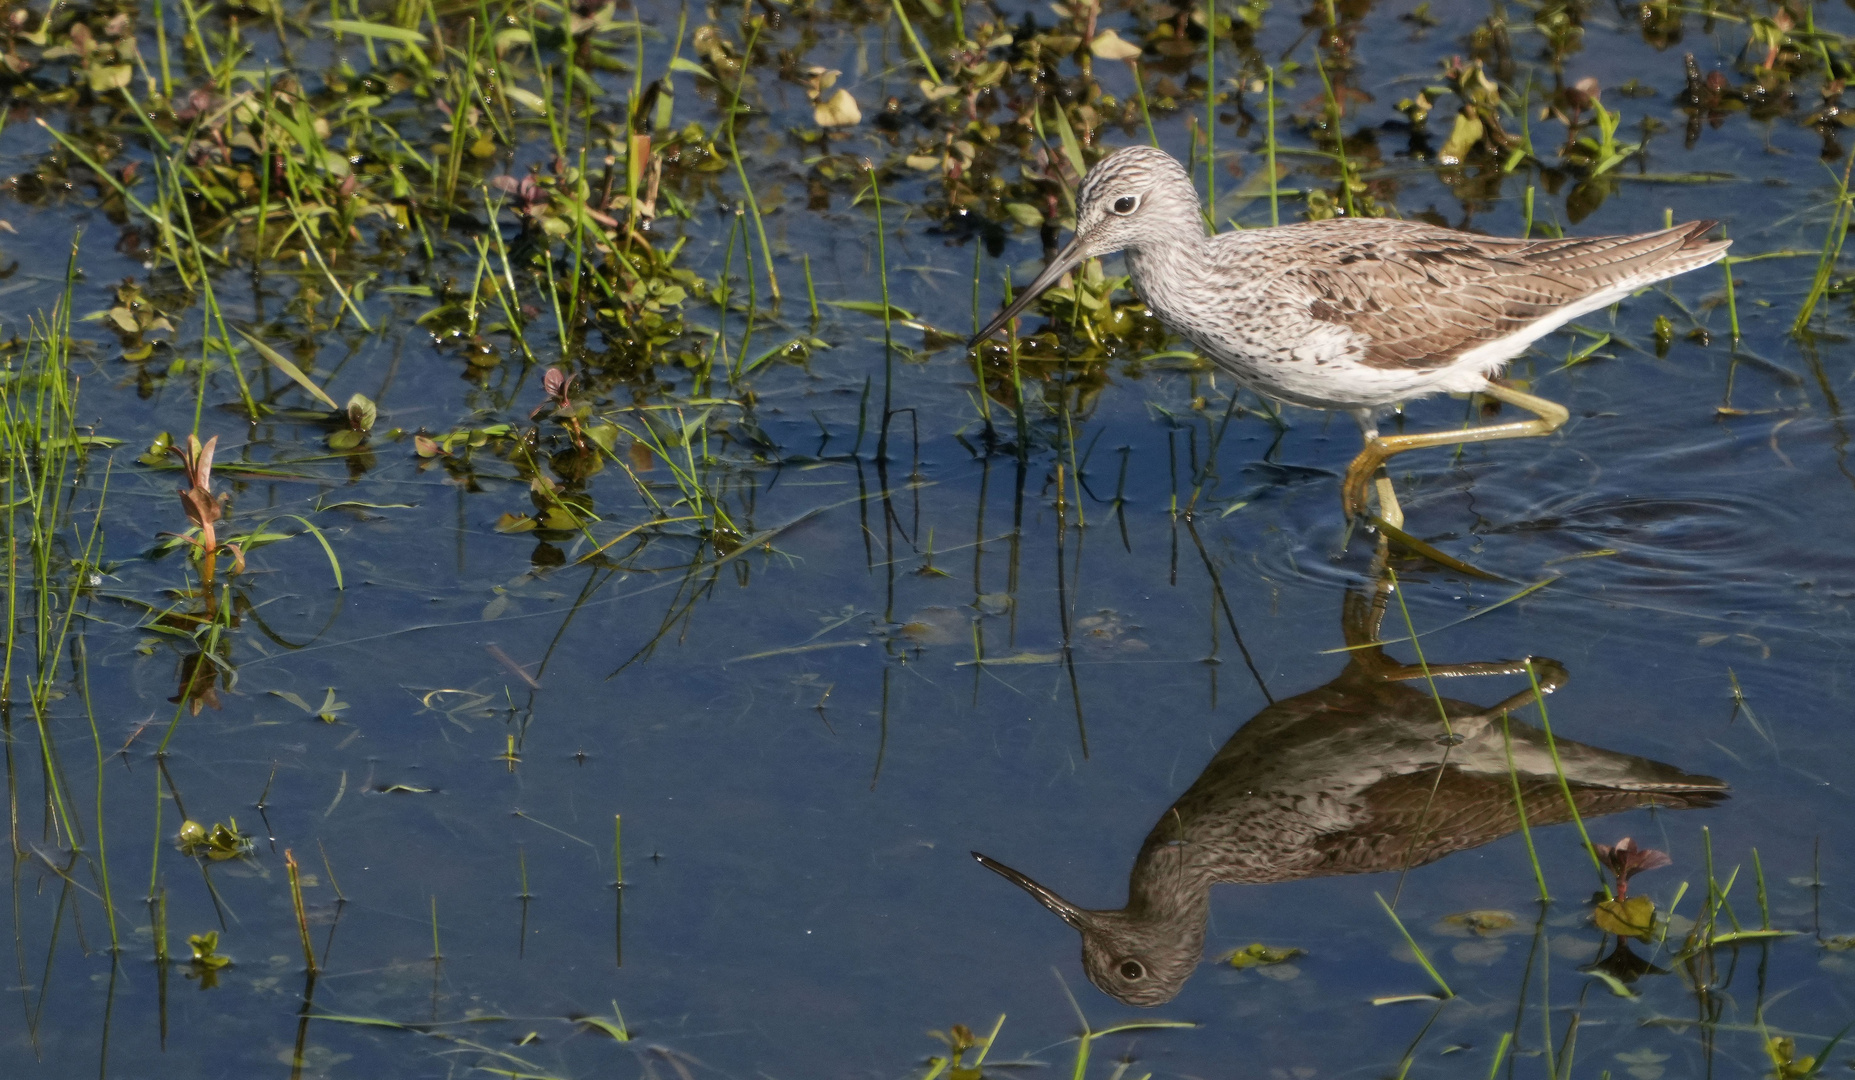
(1126, 204)
(1131, 969)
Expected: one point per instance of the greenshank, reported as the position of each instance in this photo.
(1356, 314)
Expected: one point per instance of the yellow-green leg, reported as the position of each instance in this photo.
(1378, 448)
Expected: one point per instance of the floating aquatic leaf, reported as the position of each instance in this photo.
(1785, 1064)
(218, 843)
(206, 960)
(1616, 985)
(1109, 46)
(1486, 922)
(362, 413)
(206, 950)
(838, 110)
(1257, 954)
(1025, 214)
(158, 450)
(1634, 917)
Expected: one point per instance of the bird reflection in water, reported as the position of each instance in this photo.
(1356, 777)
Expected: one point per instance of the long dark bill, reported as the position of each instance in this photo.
(1066, 260)
(1070, 913)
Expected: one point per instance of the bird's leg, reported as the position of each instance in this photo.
(1388, 508)
(1550, 673)
(1550, 415)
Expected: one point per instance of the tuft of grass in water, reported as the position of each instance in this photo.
(1839, 221)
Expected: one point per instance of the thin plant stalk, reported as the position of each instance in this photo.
(921, 54)
(302, 918)
(1210, 113)
(1832, 249)
(1275, 207)
(1552, 746)
(1416, 949)
(740, 170)
(888, 337)
(1520, 809)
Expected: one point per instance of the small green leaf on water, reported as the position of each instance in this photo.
(157, 452)
(362, 413)
(219, 843)
(345, 439)
(1108, 45)
(1634, 917)
(1785, 1064)
(603, 434)
(1485, 922)
(515, 523)
(1257, 954)
(283, 364)
(1025, 214)
(1616, 985)
(107, 77)
(206, 950)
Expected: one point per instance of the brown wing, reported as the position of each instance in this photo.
(1405, 826)
(1424, 295)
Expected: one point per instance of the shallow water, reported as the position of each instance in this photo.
(797, 736)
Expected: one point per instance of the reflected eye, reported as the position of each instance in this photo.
(1127, 204)
(1131, 969)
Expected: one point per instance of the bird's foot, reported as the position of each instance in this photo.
(1359, 476)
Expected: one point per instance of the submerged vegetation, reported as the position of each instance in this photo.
(377, 352)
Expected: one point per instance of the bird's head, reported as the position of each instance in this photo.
(1138, 960)
(1135, 199)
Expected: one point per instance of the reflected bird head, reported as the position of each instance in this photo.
(1140, 961)
(1132, 199)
